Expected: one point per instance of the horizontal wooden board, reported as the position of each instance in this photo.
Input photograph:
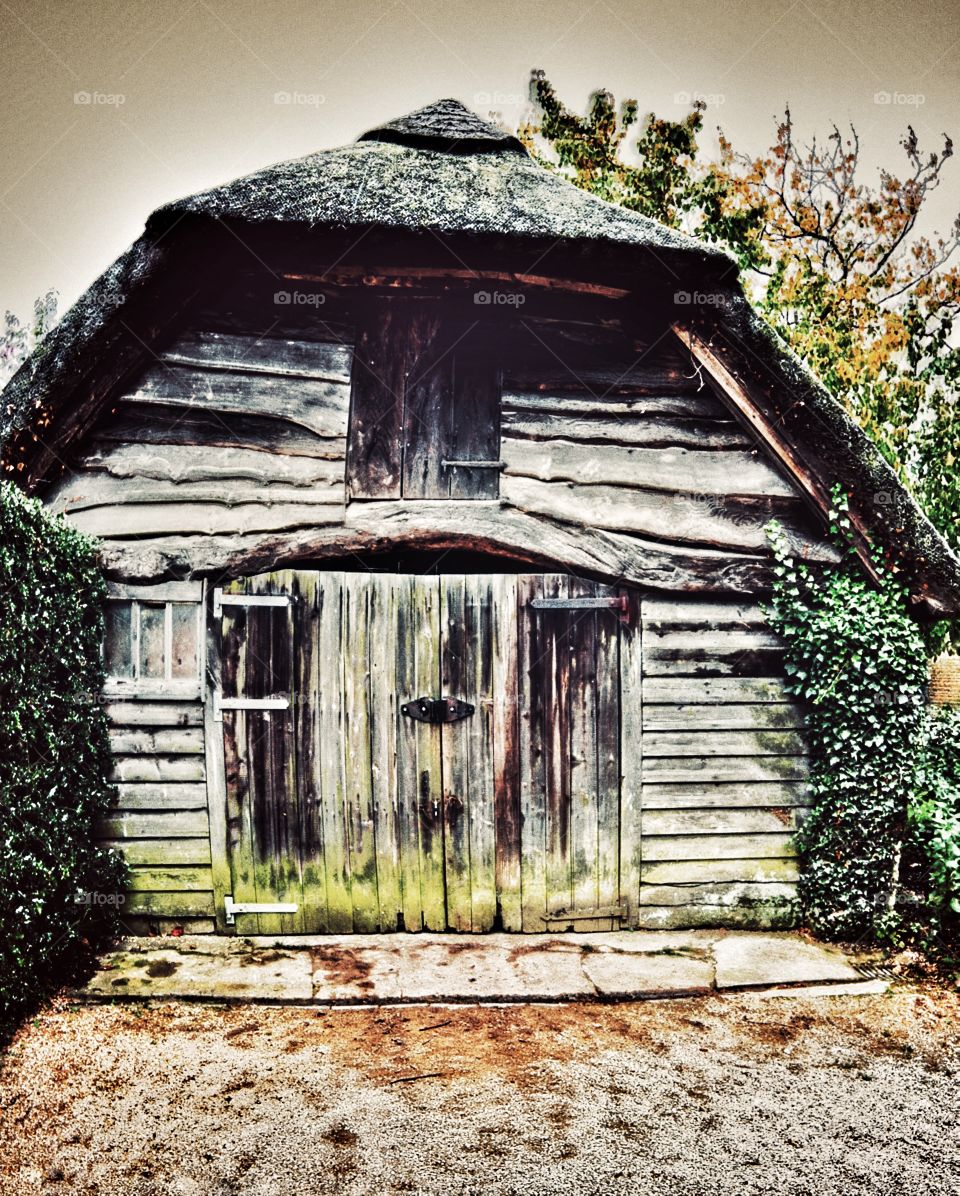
(721, 822)
(609, 379)
(730, 717)
(180, 880)
(173, 824)
(717, 847)
(282, 357)
(569, 404)
(617, 428)
(173, 741)
(699, 474)
(154, 714)
(317, 405)
(170, 904)
(716, 871)
(172, 423)
(717, 653)
(205, 519)
(150, 924)
(89, 490)
(198, 464)
(676, 518)
(166, 591)
(707, 769)
(662, 613)
(161, 797)
(776, 914)
(718, 691)
(724, 893)
(157, 768)
(725, 795)
(762, 742)
(162, 853)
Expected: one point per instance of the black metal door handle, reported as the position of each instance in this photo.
(437, 710)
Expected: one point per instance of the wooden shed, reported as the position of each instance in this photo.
(432, 493)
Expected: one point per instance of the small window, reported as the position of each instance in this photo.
(151, 643)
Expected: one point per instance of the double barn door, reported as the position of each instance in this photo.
(353, 806)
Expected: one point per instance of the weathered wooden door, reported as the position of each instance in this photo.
(365, 819)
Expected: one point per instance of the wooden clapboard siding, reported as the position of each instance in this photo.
(600, 436)
(222, 435)
(159, 816)
(724, 767)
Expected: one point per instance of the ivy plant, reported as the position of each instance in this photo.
(858, 661)
(61, 893)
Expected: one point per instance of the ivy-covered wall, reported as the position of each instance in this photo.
(880, 851)
(60, 894)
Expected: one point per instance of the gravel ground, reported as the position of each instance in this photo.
(702, 1096)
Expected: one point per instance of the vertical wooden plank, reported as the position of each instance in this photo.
(408, 816)
(384, 711)
(506, 757)
(458, 747)
(271, 754)
(474, 432)
(313, 914)
(358, 780)
(608, 734)
(426, 606)
(558, 651)
(582, 630)
(537, 662)
(215, 773)
(428, 405)
(631, 758)
(331, 747)
(375, 437)
(240, 822)
(480, 622)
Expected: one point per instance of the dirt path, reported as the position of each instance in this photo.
(712, 1095)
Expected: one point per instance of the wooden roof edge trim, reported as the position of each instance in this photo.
(739, 398)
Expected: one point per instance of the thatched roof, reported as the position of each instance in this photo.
(443, 170)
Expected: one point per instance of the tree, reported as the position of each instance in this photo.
(17, 340)
(837, 266)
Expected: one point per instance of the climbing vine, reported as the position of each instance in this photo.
(858, 661)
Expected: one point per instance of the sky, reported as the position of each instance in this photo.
(110, 109)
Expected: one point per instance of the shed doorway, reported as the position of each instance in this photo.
(422, 752)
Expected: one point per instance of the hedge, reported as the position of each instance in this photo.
(61, 894)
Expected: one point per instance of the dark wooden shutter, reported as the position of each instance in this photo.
(425, 398)
(375, 439)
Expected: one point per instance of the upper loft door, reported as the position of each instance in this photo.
(424, 407)
(354, 800)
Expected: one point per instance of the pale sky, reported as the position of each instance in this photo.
(183, 94)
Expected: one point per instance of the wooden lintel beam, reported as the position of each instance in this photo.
(407, 276)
